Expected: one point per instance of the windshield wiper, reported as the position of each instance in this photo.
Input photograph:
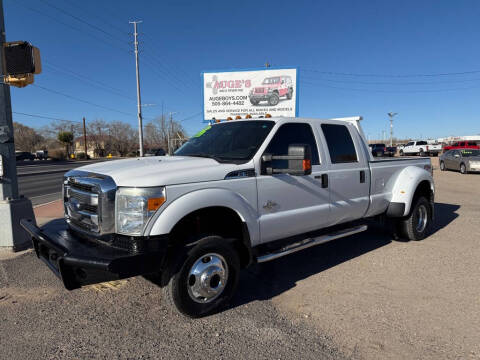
(205, 155)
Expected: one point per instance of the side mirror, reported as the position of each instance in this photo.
(298, 161)
(457, 155)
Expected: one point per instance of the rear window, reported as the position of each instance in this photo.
(472, 143)
(340, 143)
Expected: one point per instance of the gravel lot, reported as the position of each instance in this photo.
(362, 297)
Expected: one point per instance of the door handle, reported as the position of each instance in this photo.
(362, 176)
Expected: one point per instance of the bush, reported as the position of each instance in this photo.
(57, 155)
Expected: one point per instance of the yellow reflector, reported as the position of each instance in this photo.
(238, 117)
(155, 203)
(248, 116)
(268, 116)
(229, 118)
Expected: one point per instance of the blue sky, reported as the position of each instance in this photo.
(394, 52)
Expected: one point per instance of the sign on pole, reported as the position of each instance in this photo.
(229, 94)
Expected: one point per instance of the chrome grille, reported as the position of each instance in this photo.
(89, 202)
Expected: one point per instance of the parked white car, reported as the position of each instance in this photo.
(240, 192)
(421, 148)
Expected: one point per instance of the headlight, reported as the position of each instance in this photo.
(135, 206)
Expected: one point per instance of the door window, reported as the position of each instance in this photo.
(340, 144)
(288, 134)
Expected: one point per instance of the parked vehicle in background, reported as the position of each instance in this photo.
(377, 149)
(271, 90)
(463, 160)
(242, 192)
(433, 149)
(414, 148)
(462, 145)
(41, 154)
(155, 152)
(390, 151)
(24, 155)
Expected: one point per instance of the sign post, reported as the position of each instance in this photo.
(12, 208)
(256, 93)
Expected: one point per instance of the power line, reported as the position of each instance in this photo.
(393, 82)
(81, 100)
(391, 91)
(190, 117)
(70, 26)
(91, 83)
(43, 117)
(392, 75)
(83, 21)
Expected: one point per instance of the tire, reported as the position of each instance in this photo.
(289, 93)
(417, 224)
(254, 102)
(401, 153)
(463, 169)
(273, 99)
(180, 291)
(422, 153)
(442, 166)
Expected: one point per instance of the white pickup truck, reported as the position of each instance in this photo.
(238, 193)
(421, 148)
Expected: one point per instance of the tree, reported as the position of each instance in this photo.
(98, 137)
(26, 138)
(122, 137)
(66, 138)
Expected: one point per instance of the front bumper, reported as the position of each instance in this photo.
(260, 97)
(78, 262)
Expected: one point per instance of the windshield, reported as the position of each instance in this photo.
(235, 142)
(272, 80)
(468, 153)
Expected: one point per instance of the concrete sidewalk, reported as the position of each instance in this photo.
(47, 212)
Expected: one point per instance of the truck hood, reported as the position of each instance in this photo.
(162, 170)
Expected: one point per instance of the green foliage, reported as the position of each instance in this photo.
(65, 137)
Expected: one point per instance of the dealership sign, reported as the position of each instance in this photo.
(250, 92)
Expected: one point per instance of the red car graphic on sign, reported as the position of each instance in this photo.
(272, 89)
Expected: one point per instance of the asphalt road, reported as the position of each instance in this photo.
(41, 181)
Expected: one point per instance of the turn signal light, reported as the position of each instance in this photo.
(307, 165)
(154, 203)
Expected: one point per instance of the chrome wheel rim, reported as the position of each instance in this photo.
(422, 218)
(207, 278)
(442, 165)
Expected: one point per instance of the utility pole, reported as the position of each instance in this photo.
(139, 101)
(85, 138)
(169, 129)
(12, 207)
(391, 115)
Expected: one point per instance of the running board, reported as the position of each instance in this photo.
(290, 249)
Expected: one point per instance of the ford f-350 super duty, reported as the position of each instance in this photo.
(238, 193)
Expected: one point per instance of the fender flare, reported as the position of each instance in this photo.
(164, 221)
(407, 183)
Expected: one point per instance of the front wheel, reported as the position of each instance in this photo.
(442, 166)
(273, 99)
(401, 153)
(204, 278)
(289, 94)
(422, 153)
(416, 225)
(463, 169)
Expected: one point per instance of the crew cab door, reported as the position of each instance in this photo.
(287, 204)
(348, 173)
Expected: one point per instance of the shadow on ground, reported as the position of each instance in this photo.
(267, 280)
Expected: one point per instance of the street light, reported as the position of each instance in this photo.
(391, 115)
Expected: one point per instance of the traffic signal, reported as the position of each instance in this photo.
(20, 61)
